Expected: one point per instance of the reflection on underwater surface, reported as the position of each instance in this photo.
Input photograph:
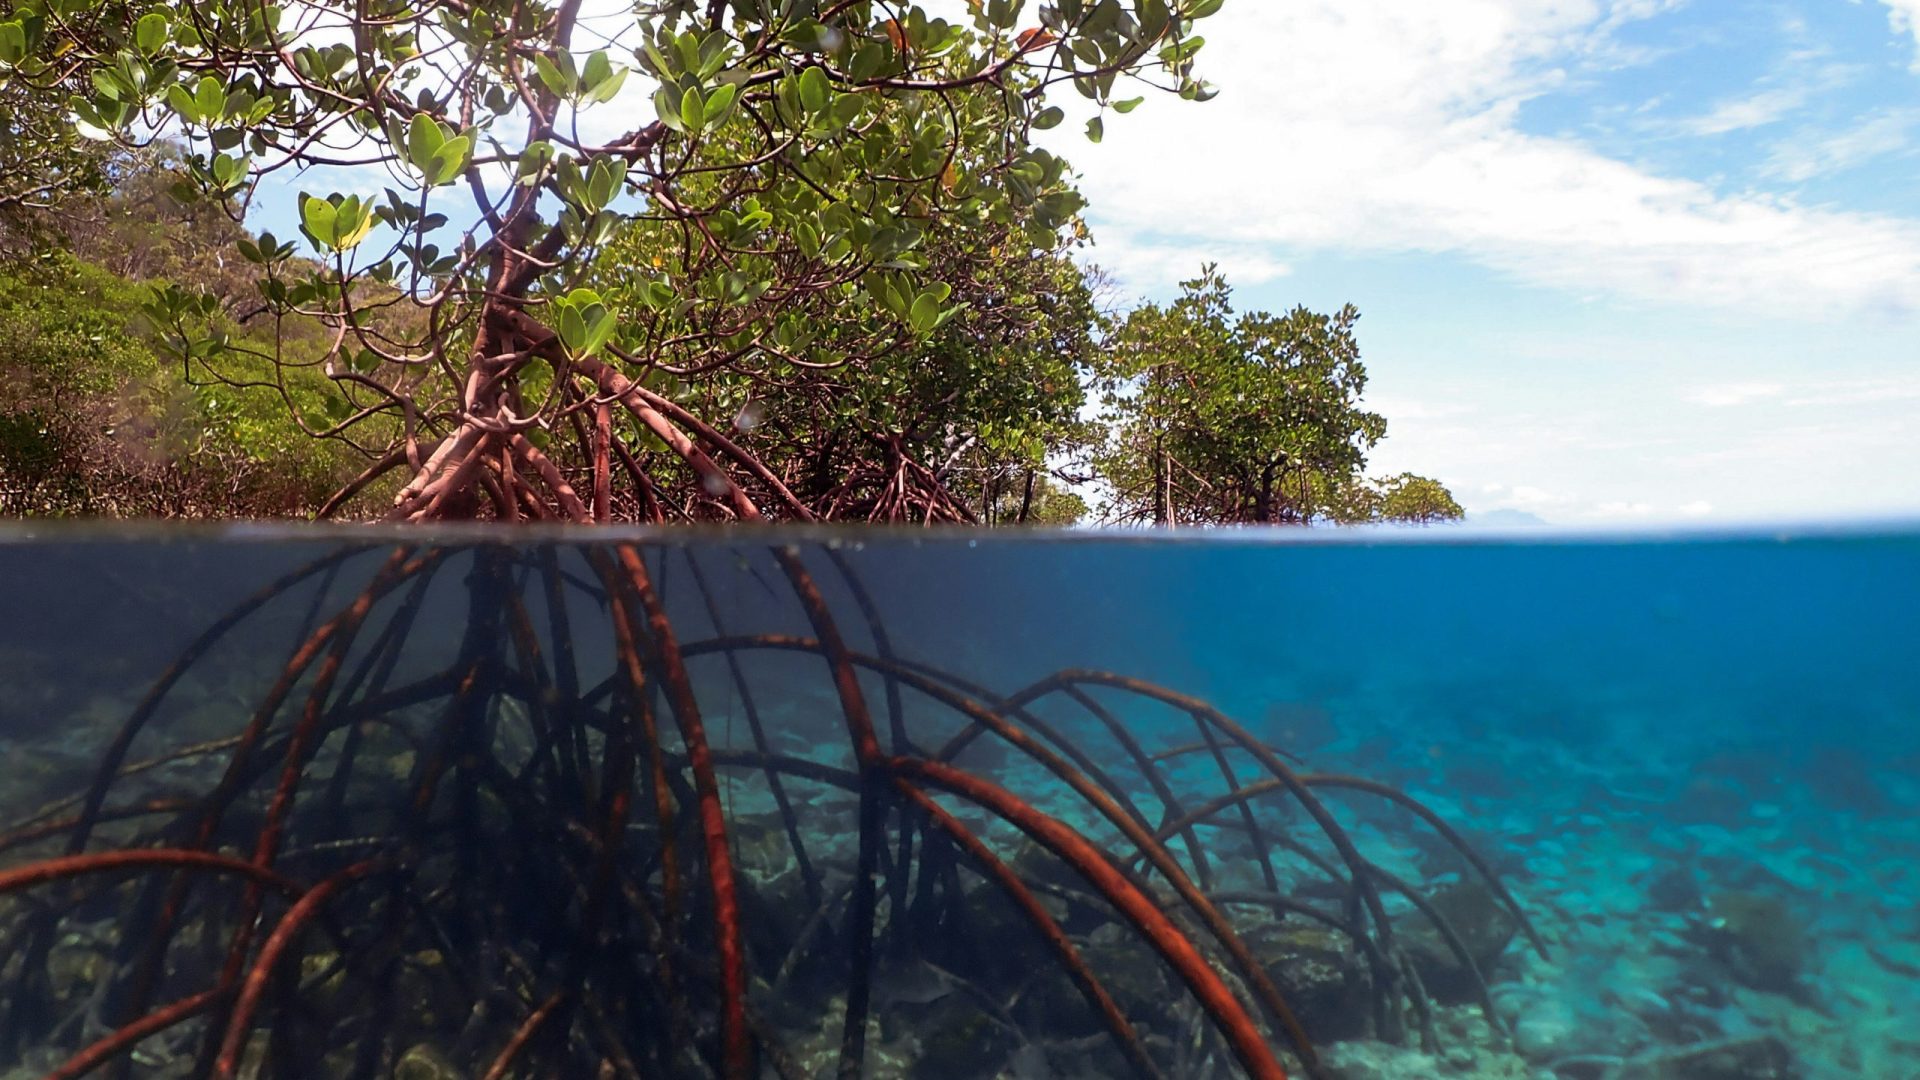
(315, 804)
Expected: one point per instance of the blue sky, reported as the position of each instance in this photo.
(1618, 262)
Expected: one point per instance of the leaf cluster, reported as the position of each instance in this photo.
(1218, 417)
(792, 158)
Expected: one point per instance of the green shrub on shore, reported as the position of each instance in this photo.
(93, 422)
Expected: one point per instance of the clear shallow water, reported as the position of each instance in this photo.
(1695, 763)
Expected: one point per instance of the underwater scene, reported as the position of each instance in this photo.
(1360, 806)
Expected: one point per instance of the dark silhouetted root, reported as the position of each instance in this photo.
(497, 861)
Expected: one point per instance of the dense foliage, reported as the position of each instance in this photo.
(794, 159)
(1217, 418)
(94, 420)
(1419, 500)
(41, 160)
(1221, 419)
(828, 273)
(862, 417)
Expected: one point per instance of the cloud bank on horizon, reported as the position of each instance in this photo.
(1679, 244)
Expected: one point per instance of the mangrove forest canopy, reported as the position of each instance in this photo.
(733, 259)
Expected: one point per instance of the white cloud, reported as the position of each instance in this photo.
(1830, 393)
(1620, 509)
(1805, 73)
(1696, 508)
(1904, 17)
(1385, 127)
(1523, 500)
(1148, 264)
(1752, 111)
(1528, 496)
(1819, 391)
(1808, 155)
(1398, 409)
(1722, 395)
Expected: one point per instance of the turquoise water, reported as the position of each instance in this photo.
(1693, 761)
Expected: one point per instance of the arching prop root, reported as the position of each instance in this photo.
(455, 832)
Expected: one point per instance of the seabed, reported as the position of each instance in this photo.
(790, 810)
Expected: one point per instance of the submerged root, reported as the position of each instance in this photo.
(508, 863)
